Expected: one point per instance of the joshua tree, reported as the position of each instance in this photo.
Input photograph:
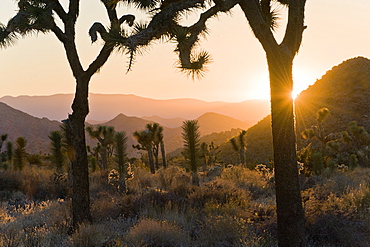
(157, 142)
(105, 136)
(204, 154)
(263, 21)
(9, 153)
(357, 140)
(239, 146)
(145, 140)
(43, 16)
(209, 154)
(191, 138)
(121, 159)
(56, 138)
(37, 16)
(20, 153)
(159, 137)
(2, 140)
(315, 152)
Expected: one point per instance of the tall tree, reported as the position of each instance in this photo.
(9, 153)
(145, 140)
(43, 16)
(191, 138)
(105, 136)
(20, 153)
(239, 146)
(120, 154)
(57, 157)
(280, 65)
(2, 140)
(156, 131)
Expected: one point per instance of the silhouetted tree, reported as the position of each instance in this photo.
(191, 138)
(357, 140)
(57, 157)
(2, 140)
(156, 131)
(20, 153)
(43, 16)
(9, 154)
(239, 145)
(120, 154)
(105, 136)
(209, 154)
(145, 140)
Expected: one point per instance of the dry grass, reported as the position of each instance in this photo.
(236, 208)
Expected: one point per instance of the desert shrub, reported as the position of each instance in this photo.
(105, 206)
(252, 180)
(35, 224)
(88, 235)
(151, 233)
(10, 181)
(222, 231)
(143, 179)
(99, 182)
(337, 214)
(219, 191)
(338, 230)
(172, 177)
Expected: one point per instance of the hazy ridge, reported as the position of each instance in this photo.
(104, 107)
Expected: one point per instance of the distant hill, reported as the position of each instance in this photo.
(168, 122)
(106, 106)
(19, 124)
(209, 123)
(213, 122)
(344, 90)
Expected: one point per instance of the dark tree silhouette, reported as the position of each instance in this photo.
(105, 136)
(3, 138)
(20, 153)
(192, 152)
(240, 146)
(145, 140)
(39, 16)
(120, 154)
(57, 157)
(164, 24)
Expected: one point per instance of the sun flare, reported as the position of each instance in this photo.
(301, 80)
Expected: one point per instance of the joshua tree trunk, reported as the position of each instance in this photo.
(80, 177)
(289, 205)
(151, 160)
(104, 157)
(163, 152)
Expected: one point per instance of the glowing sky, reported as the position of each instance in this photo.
(337, 30)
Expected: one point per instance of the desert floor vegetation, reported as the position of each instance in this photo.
(233, 206)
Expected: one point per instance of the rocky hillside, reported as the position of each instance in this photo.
(19, 124)
(344, 90)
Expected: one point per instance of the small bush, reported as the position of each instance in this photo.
(91, 236)
(149, 232)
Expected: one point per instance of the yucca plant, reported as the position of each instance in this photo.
(191, 138)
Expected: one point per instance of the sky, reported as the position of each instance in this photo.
(337, 30)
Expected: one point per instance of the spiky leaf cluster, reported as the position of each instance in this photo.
(33, 16)
(7, 38)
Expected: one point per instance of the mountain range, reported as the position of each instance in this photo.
(104, 107)
(344, 90)
(36, 130)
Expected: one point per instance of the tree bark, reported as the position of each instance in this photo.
(80, 174)
(151, 160)
(163, 152)
(290, 214)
